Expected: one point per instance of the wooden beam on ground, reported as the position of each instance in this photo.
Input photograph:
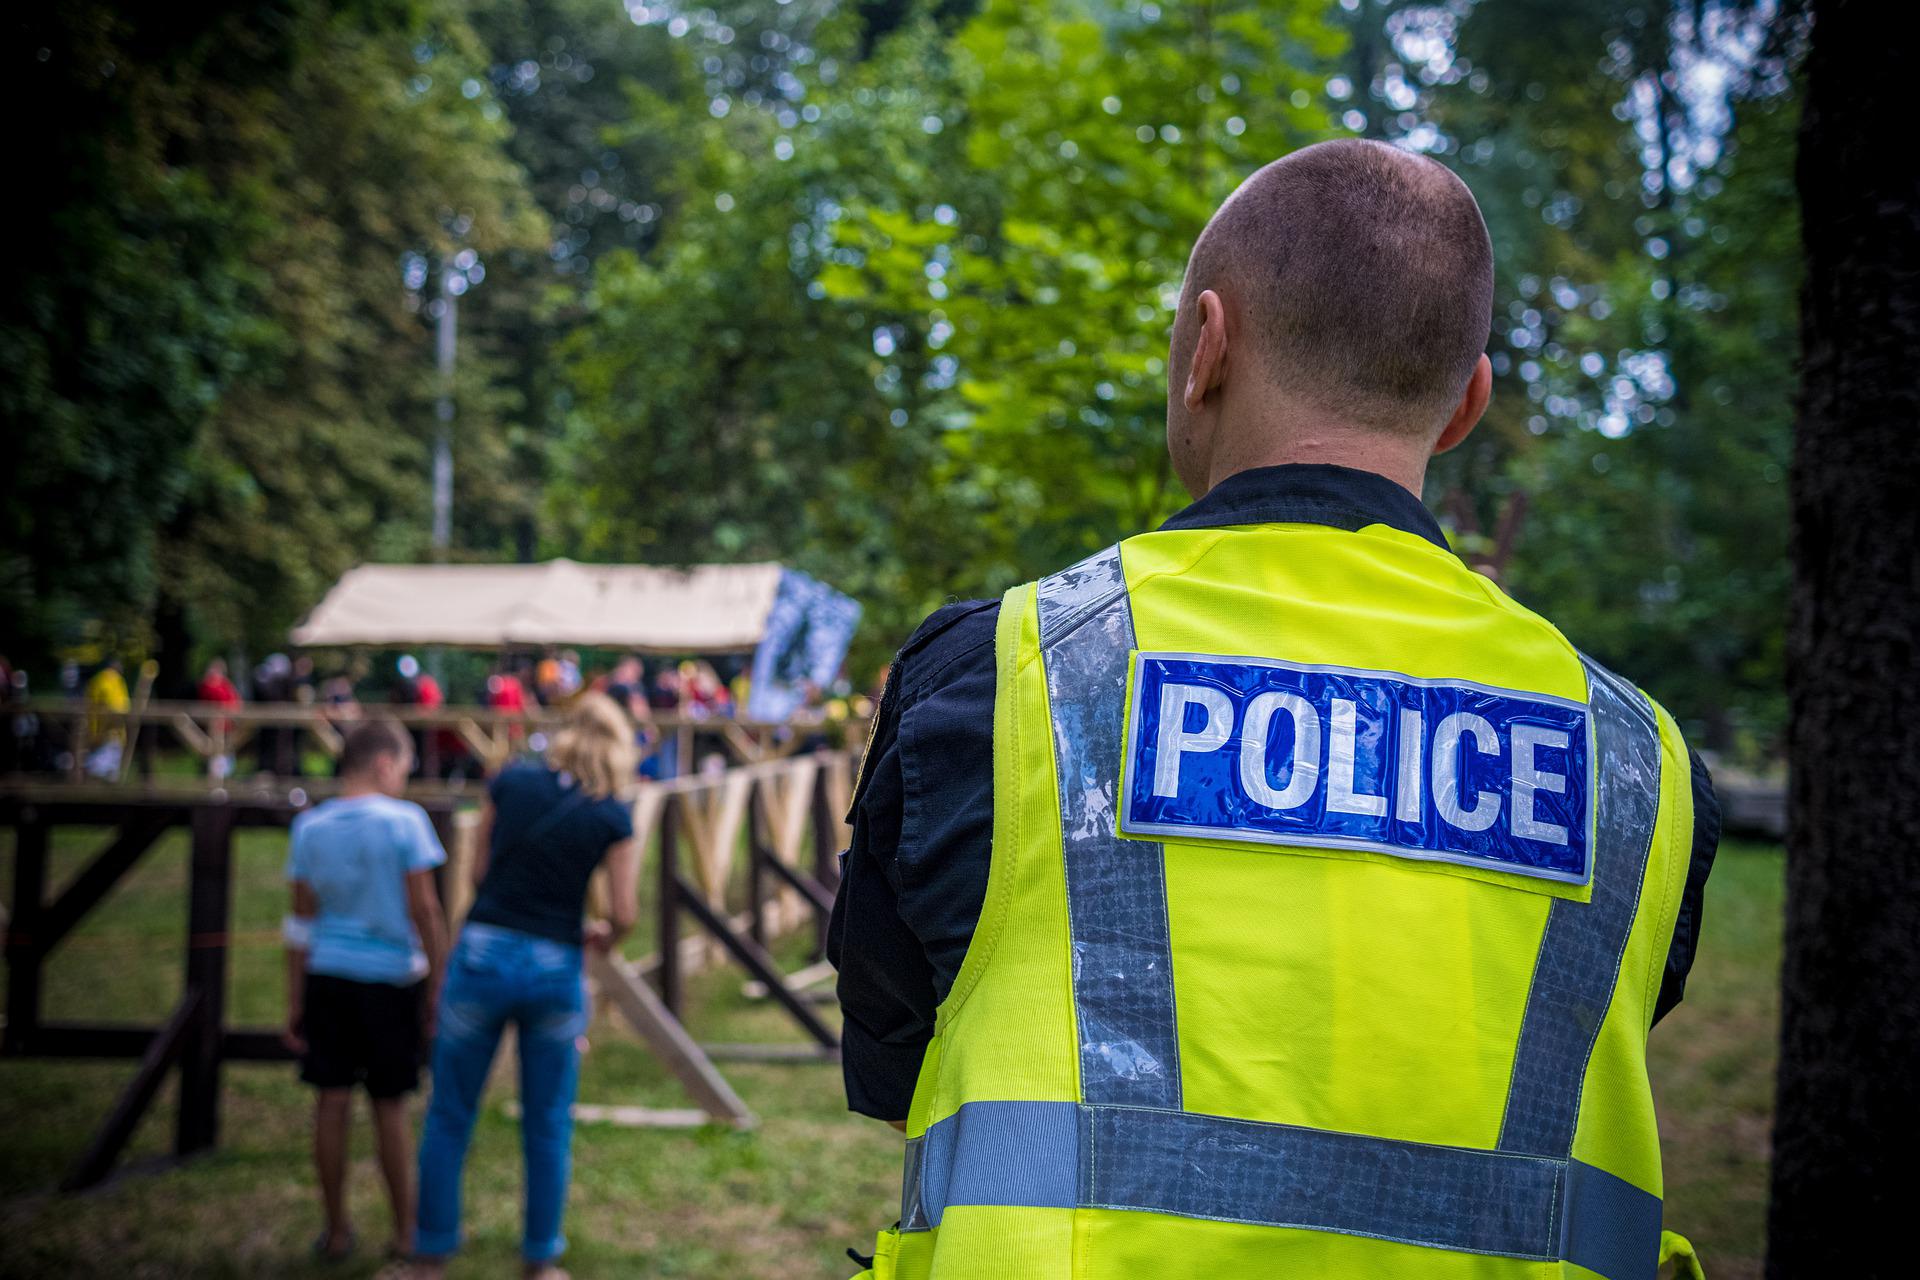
(765, 1052)
(628, 1117)
(162, 1052)
(669, 1041)
(799, 980)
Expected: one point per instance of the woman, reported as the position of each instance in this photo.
(544, 830)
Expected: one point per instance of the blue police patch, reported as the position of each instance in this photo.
(1224, 748)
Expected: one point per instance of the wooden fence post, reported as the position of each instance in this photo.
(758, 852)
(446, 876)
(668, 942)
(25, 949)
(826, 859)
(208, 914)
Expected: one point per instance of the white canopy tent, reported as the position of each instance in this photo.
(708, 609)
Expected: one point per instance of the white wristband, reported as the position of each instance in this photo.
(298, 932)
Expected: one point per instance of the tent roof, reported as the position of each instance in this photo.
(707, 609)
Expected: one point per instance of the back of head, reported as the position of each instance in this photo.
(596, 746)
(367, 741)
(1364, 275)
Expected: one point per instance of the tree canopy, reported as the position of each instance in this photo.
(878, 289)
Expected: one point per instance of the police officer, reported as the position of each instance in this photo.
(1270, 895)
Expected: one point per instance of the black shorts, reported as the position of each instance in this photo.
(362, 1033)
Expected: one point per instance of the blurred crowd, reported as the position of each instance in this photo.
(95, 740)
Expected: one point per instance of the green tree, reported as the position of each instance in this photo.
(723, 409)
(1643, 336)
(128, 309)
(221, 393)
(1042, 269)
(376, 145)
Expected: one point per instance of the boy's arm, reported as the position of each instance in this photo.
(297, 929)
(423, 858)
(423, 907)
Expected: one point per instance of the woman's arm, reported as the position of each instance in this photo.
(482, 846)
(623, 886)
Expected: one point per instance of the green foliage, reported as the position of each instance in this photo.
(314, 459)
(1644, 340)
(722, 409)
(911, 339)
(881, 290)
(222, 393)
(1664, 551)
(1040, 267)
(128, 310)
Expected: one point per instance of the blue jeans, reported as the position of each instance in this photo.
(499, 975)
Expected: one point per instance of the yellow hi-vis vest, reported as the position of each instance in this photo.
(1329, 899)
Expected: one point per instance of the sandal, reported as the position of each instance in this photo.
(326, 1250)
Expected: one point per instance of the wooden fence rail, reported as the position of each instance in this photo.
(483, 736)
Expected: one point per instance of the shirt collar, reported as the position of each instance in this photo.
(1310, 493)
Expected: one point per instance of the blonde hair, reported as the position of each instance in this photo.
(596, 746)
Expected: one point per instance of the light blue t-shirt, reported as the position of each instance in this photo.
(356, 852)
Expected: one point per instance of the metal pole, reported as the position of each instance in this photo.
(445, 335)
(443, 435)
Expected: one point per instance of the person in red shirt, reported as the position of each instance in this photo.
(216, 688)
(506, 693)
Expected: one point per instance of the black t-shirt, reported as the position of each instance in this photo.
(548, 836)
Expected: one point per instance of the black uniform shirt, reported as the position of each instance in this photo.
(915, 876)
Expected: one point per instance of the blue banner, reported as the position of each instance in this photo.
(1225, 748)
(805, 640)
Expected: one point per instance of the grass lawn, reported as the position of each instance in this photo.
(784, 1201)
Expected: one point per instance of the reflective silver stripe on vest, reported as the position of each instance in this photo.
(1116, 889)
(1579, 960)
(1063, 1155)
(913, 1208)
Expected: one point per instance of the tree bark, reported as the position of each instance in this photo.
(1848, 1103)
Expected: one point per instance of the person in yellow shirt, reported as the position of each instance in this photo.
(107, 700)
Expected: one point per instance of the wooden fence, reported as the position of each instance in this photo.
(744, 855)
(194, 1037)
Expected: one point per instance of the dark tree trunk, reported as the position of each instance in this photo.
(1848, 1105)
(174, 649)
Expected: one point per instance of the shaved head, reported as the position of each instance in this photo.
(1363, 278)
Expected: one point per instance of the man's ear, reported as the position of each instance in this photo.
(1208, 369)
(1473, 403)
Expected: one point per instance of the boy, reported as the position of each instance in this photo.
(366, 948)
